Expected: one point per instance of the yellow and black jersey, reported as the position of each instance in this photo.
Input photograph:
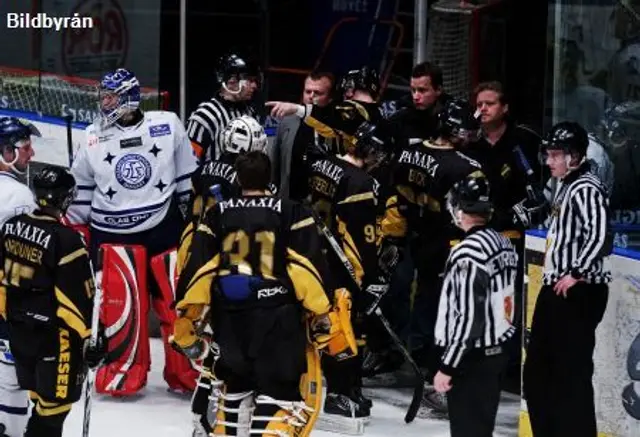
(422, 175)
(345, 197)
(272, 242)
(340, 120)
(46, 273)
(219, 172)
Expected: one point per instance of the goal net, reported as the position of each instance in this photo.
(458, 34)
(60, 96)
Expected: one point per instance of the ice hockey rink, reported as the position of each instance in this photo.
(159, 413)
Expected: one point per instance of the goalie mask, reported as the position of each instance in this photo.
(471, 196)
(15, 143)
(243, 134)
(54, 188)
(235, 74)
(119, 95)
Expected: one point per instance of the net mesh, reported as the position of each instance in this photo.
(449, 45)
(59, 96)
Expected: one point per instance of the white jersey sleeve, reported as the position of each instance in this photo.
(15, 197)
(131, 175)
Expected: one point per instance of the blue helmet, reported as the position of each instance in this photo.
(125, 84)
(14, 134)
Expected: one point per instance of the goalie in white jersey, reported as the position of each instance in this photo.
(15, 198)
(133, 175)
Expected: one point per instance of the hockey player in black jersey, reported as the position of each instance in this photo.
(257, 274)
(241, 135)
(345, 197)
(362, 85)
(49, 293)
(422, 175)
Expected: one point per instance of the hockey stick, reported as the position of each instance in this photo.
(418, 390)
(533, 189)
(93, 340)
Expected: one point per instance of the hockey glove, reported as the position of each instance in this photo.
(389, 255)
(373, 295)
(185, 340)
(333, 331)
(527, 212)
(95, 355)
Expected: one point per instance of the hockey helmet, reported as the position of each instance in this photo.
(364, 79)
(234, 67)
(119, 94)
(54, 187)
(472, 195)
(372, 144)
(14, 135)
(243, 134)
(569, 137)
(458, 119)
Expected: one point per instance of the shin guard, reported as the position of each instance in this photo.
(178, 371)
(123, 277)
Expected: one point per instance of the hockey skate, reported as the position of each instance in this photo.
(343, 415)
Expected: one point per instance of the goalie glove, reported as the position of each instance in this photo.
(333, 331)
(185, 340)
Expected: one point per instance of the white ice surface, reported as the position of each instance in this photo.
(158, 413)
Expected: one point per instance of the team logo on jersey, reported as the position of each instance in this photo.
(133, 171)
(159, 130)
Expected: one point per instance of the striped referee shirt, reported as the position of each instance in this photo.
(476, 304)
(207, 122)
(577, 241)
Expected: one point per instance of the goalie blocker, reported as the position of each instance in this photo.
(123, 273)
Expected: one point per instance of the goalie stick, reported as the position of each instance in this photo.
(418, 390)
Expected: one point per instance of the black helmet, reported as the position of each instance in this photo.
(569, 137)
(364, 79)
(54, 187)
(373, 144)
(471, 195)
(458, 119)
(233, 66)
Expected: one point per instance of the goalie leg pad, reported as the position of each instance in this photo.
(14, 402)
(122, 274)
(178, 370)
(233, 416)
(277, 417)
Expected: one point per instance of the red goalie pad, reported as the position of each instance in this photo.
(178, 371)
(124, 311)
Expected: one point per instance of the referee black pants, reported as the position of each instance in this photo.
(475, 393)
(558, 370)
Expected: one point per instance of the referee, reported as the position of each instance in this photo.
(559, 367)
(475, 316)
(238, 81)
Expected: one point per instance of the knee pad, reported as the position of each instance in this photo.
(234, 411)
(122, 274)
(178, 370)
(14, 404)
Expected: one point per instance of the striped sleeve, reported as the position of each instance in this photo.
(590, 205)
(469, 282)
(205, 125)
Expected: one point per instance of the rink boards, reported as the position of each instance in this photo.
(615, 334)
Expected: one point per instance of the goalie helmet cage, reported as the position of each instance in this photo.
(460, 34)
(57, 95)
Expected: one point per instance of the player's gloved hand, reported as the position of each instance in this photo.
(526, 212)
(185, 340)
(372, 296)
(333, 331)
(389, 255)
(95, 355)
